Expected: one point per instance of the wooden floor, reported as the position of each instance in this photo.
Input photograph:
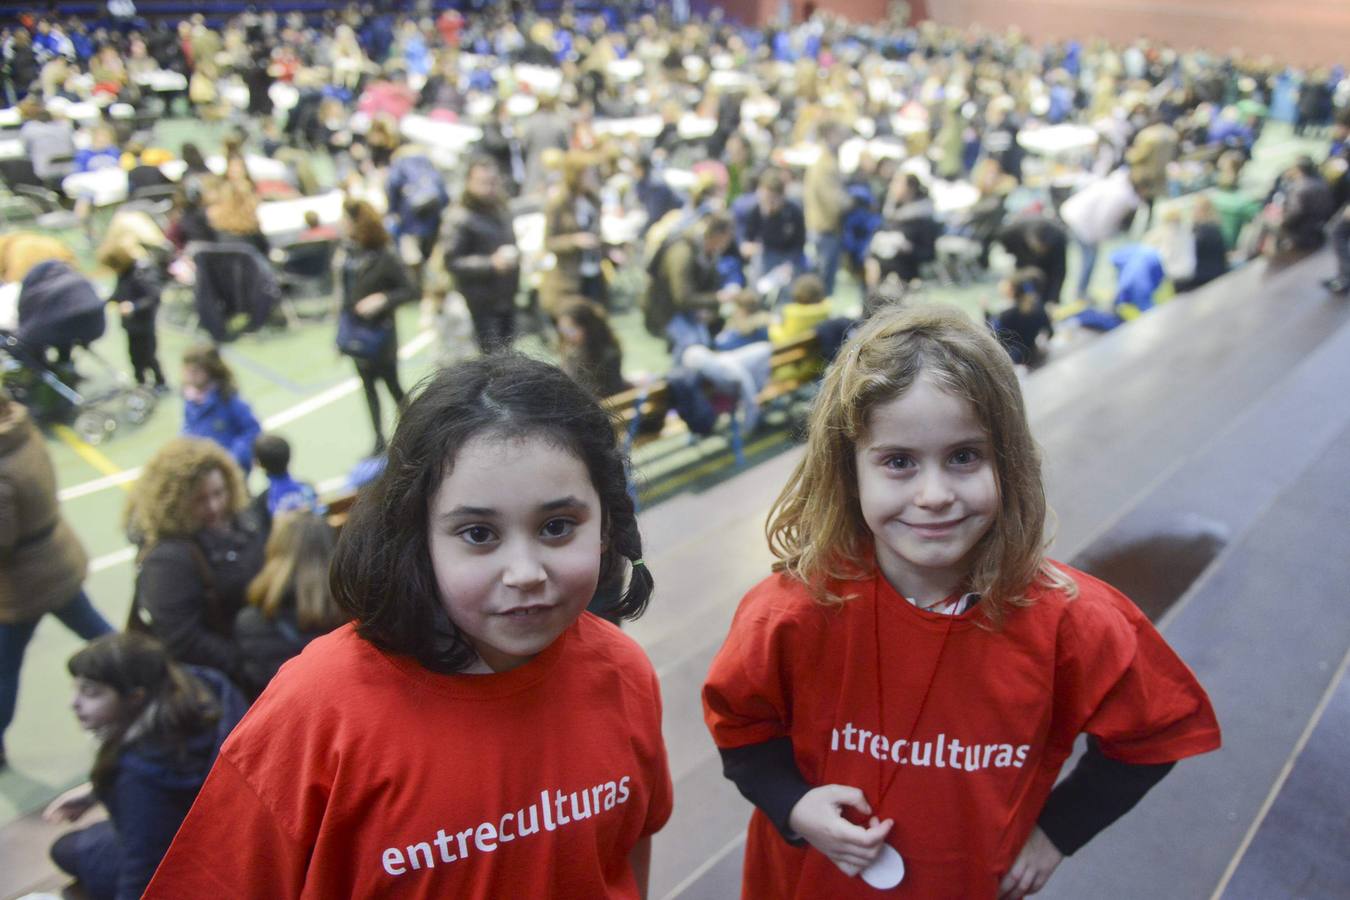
(1222, 414)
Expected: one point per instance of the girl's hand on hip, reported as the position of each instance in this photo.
(1033, 868)
(819, 817)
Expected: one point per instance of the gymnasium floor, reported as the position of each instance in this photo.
(302, 389)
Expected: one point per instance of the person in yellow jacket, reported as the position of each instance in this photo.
(800, 316)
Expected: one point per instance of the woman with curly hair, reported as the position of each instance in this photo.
(199, 550)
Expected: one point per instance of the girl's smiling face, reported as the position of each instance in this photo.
(515, 539)
(927, 488)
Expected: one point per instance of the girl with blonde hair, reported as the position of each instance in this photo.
(917, 659)
(289, 601)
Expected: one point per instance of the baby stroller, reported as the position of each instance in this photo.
(59, 312)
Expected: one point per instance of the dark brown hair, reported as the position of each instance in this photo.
(207, 358)
(382, 572)
(366, 227)
(170, 705)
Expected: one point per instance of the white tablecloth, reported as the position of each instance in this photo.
(642, 126)
(679, 179)
(951, 197)
(694, 127)
(84, 112)
(617, 229)
(163, 80)
(108, 186)
(801, 156)
(450, 137)
(729, 80)
(624, 69)
(541, 80)
(1057, 140)
(286, 217)
(905, 125)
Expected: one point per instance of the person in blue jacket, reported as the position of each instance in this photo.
(212, 407)
(160, 726)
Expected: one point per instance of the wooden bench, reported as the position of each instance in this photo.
(633, 408)
(789, 372)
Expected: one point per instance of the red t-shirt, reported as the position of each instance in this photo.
(958, 733)
(362, 774)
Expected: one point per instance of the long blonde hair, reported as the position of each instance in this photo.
(296, 564)
(816, 528)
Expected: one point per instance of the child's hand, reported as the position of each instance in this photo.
(819, 818)
(126, 307)
(1033, 868)
(71, 805)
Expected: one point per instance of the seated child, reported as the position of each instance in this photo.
(749, 322)
(315, 230)
(804, 312)
(284, 493)
(1019, 327)
(290, 602)
(212, 407)
(159, 725)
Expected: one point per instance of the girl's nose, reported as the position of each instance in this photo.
(933, 491)
(523, 572)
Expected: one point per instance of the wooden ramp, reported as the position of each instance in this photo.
(1204, 452)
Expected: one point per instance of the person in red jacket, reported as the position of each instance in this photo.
(475, 732)
(897, 700)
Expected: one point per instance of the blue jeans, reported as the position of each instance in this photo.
(78, 615)
(93, 855)
(1089, 252)
(827, 248)
(684, 330)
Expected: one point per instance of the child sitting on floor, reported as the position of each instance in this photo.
(284, 493)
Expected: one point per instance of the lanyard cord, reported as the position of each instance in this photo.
(885, 788)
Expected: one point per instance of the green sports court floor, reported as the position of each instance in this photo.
(301, 388)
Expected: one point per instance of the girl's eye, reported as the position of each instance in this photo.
(557, 528)
(898, 461)
(966, 456)
(476, 535)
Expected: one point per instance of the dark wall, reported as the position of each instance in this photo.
(1300, 32)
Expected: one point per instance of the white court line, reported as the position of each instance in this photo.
(702, 870)
(108, 560)
(1284, 776)
(277, 420)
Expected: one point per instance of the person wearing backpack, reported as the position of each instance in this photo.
(417, 199)
(683, 293)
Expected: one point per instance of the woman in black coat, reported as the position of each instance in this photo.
(374, 282)
(200, 548)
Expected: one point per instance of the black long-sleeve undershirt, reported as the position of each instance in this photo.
(1096, 793)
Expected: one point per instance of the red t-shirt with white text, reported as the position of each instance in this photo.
(955, 730)
(361, 774)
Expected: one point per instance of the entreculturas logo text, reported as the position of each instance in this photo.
(942, 753)
(551, 811)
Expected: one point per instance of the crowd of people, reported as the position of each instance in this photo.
(511, 172)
